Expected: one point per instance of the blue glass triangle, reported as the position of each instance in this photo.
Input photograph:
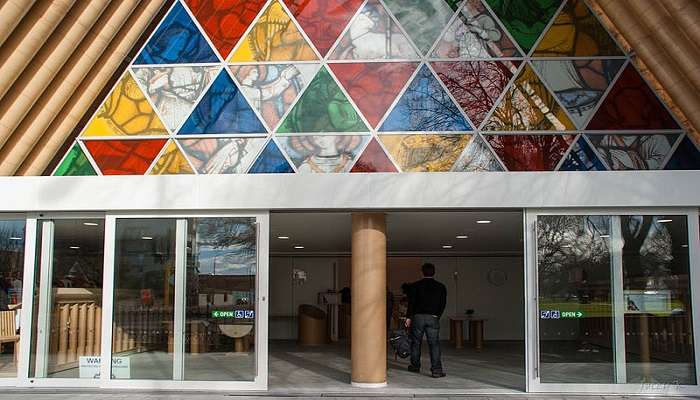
(582, 157)
(425, 106)
(222, 109)
(271, 161)
(686, 156)
(176, 41)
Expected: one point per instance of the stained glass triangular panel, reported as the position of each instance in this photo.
(126, 111)
(176, 41)
(271, 161)
(323, 20)
(225, 21)
(582, 157)
(273, 88)
(274, 37)
(425, 106)
(373, 159)
(525, 20)
(454, 4)
(576, 32)
(530, 152)
(323, 153)
(631, 104)
(528, 105)
(475, 33)
(222, 156)
(222, 109)
(172, 162)
(633, 152)
(323, 107)
(373, 35)
(423, 20)
(373, 86)
(686, 156)
(124, 157)
(476, 85)
(75, 163)
(477, 157)
(425, 153)
(579, 84)
(174, 90)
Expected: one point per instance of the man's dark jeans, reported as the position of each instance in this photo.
(430, 326)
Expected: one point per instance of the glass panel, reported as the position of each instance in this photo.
(373, 86)
(75, 164)
(223, 109)
(574, 265)
(373, 159)
(658, 323)
(124, 157)
(220, 306)
(126, 112)
(144, 290)
(425, 153)
(172, 162)
(423, 20)
(274, 37)
(271, 161)
(11, 274)
(222, 156)
(323, 108)
(525, 20)
(633, 152)
(323, 153)
(323, 21)
(177, 40)
(69, 347)
(582, 157)
(687, 156)
(425, 106)
(530, 152)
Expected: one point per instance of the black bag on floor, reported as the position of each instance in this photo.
(401, 343)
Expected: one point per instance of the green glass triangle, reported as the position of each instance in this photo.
(323, 107)
(75, 164)
(525, 20)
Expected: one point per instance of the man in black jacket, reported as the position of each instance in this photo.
(426, 303)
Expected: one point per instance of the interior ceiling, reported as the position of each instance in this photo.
(407, 232)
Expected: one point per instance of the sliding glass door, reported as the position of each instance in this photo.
(612, 300)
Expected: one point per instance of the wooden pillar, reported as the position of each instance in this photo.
(368, 300)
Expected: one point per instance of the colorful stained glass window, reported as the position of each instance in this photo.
(373, 86)
(177, 41)
(75, 163)
(425, 153)
(374, 35)
(425, 106)
(274, 37)
(373, 159)
(381, 86)
(323, 107)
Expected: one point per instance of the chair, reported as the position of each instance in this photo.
(8, 331)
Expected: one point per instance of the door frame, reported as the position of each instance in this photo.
(30, 268)
(533, 383)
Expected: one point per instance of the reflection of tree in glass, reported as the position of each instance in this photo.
(647, 253)
(225, 246)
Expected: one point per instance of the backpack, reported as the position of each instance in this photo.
(401, 343)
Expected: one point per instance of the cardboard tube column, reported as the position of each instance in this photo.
(368, 310)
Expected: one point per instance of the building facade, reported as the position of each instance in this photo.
(219, 113)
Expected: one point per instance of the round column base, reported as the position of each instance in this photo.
(368, 385)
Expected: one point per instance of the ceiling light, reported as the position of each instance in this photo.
(15, 238)
(298, 247)
(566, 246)
(664, 220)
(75, 247)
(483, 221)
(90, 223)
(605, 236)
(446, 246)
(146, 237)
(283, 237)
(684, 245)
(461, 236)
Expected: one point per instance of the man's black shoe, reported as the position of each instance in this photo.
(412, 368)
(438, 375)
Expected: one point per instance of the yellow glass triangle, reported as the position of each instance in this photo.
(172, 162)
(528, 105)
(274, 37)
(125, 112)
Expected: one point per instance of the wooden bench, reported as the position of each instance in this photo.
(8, 331)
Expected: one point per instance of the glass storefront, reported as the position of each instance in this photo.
(11, 275)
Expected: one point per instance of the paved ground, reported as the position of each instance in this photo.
(45, 395)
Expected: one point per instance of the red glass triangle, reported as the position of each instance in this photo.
(323, 20)
(632, 104)
(476, 85)
(374, 159)
(373, 86)
(225, 21)
(530, 152)
(124, 157)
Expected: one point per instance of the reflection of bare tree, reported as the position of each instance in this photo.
(647, 252)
